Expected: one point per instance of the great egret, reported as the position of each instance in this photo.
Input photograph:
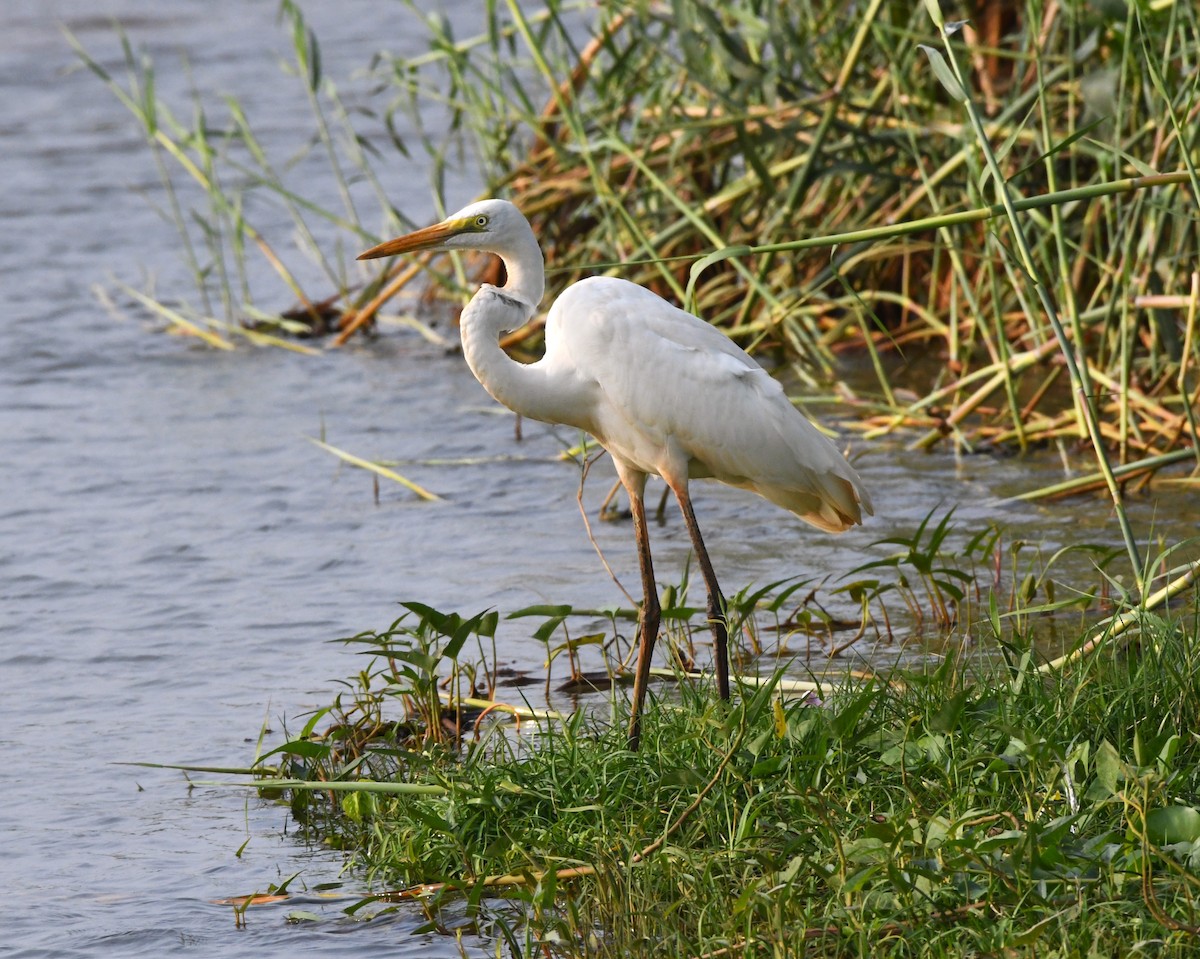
(663, 391)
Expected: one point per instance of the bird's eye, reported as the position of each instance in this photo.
(481, 221)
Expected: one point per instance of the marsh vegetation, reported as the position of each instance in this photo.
(977, 236)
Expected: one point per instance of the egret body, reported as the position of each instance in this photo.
(661, 390)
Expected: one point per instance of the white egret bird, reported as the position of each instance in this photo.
(663, 391)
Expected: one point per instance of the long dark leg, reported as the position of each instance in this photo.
(651, 612)
(716, 602)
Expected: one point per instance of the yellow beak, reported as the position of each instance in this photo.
(430, 236)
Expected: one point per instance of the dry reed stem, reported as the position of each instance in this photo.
(1121, 623)
(355, 319)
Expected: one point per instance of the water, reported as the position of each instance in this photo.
(175, 556)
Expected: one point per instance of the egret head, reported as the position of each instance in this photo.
(493, 226)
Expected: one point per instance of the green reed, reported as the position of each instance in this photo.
(700, 149)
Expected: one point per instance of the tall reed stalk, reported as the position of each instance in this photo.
(956, 84)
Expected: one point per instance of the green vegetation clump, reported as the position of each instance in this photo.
(944, 813)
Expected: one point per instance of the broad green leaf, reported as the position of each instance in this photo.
(1108, 767)
(358, 806)
(1173, 824)
(541, 610)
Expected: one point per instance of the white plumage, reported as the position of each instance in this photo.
(663, 391)
(666, 384)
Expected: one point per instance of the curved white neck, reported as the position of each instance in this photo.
(525, 268)
(532, 390)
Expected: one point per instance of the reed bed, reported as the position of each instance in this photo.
(706, 149)
(700, 133)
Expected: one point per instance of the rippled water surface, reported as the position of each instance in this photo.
(175, 556)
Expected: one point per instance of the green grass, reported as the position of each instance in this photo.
(967, 810)
(985, 804)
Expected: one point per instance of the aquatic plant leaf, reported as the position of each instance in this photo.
(300, 747)
(541, 610)
(947, 717)
(705, 262)
(944, 74)
(434, 617)
(1109, 767)
(1173, 824)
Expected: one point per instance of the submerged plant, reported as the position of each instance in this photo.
(411, 694)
